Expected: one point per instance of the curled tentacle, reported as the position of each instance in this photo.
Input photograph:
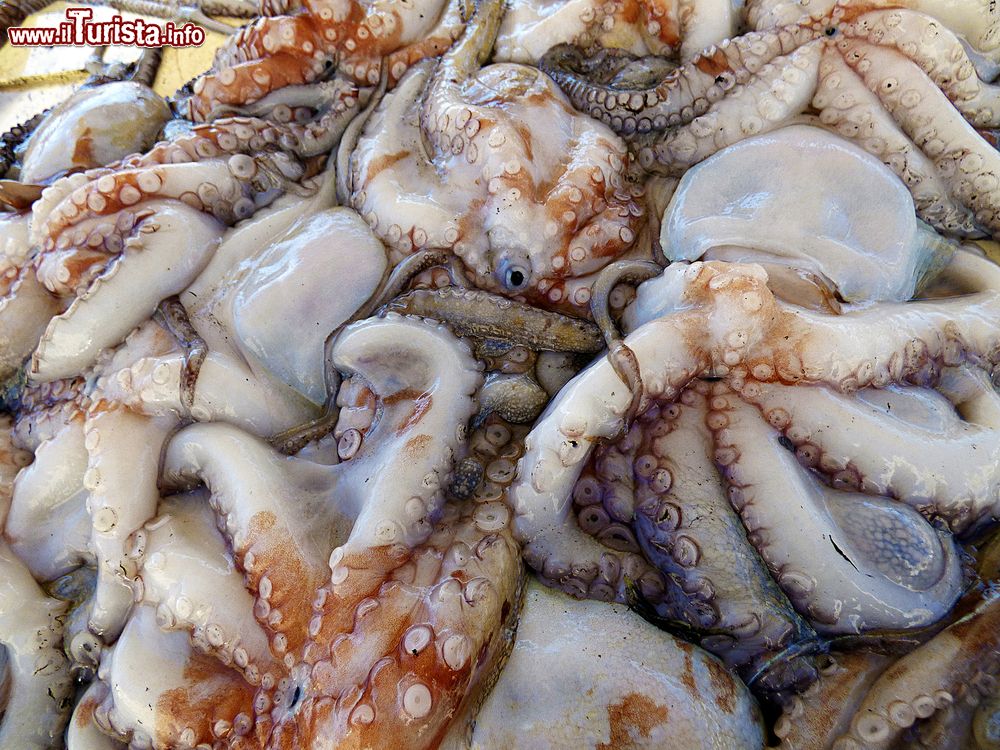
(882, 562)
(125, 291)
(958, 665)
(187, 574)
(162, 692)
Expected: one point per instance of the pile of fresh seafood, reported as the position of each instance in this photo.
(532, 374)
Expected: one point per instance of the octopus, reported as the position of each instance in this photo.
(187, 363)
(281, 473)
(750, 418)
(941, 694)
(101, 233)
(450, 160)
(429, 586)
(290, 50)
(898, 81)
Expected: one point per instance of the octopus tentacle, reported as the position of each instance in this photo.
(277, 544)
(48, 526)
(817, 717)
(240, 75)
(945, 467)
(772, 98)
(349, 141)
(187, 574)
(882, 560)
(83, 732)
(127, 290)
(852, 111)
(124, 456)
(959, 664)
(445, 616)
(444, 624)
(40, 692)
(25, 305)
(165, 693)
(940, 55)
(686, 528)
(592, 407)
(965, 160)
(278, 552)
(225, 387)
(620, 272)
(685, 93)
(407, 387)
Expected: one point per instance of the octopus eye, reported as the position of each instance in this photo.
(513, 277)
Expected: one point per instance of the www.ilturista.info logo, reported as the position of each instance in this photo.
(80, 30)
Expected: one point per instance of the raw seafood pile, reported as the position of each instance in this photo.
(542, 374)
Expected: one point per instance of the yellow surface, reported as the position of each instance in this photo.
(34, 78)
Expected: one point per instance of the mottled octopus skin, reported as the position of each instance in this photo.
(381, 642)
(611, 681)
(720, 321)
(359, 38)
(452, 159)
(670, 28)
(895, 80)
